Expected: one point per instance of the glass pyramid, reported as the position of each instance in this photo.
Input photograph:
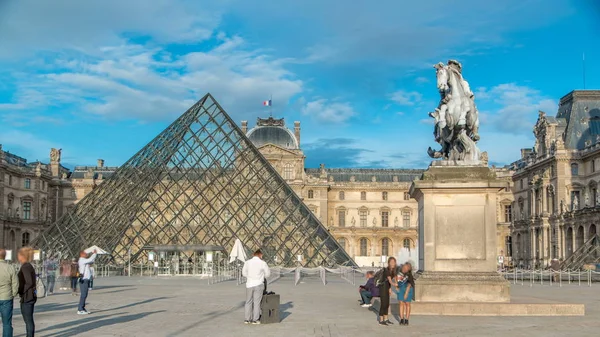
(199, 182)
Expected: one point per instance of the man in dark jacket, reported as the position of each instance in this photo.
(369, 290)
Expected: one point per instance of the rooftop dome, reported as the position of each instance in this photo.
(272, 131)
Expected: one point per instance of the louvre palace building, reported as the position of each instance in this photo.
(548, 209)
(556, 200)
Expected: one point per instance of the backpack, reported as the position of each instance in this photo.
(377, 277)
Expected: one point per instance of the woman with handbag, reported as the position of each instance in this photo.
(385, 282)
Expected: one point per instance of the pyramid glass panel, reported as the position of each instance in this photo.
(199, 182)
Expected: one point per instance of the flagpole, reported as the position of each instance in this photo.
(271, 105)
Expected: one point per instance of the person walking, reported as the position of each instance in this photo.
(84, 279)
(27, 289)
(74, 276)
(9, 288)
(50, 265)
(255, 271)
(385, 282)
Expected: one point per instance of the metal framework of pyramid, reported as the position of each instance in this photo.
(199, 182)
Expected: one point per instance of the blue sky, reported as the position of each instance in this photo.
(99, 79)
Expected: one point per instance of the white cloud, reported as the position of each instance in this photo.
(28, 26)
(513, 108)
(421, 80)
(403, 97)
(334, 112)
(133, 81)
(393, 31)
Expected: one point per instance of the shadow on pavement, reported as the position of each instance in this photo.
(207, 318)
(100, 322)
(283, 313)
(150, 300)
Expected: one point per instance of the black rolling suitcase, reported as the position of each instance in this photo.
(269, 309)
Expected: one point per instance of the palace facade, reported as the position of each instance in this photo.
(557, 204)
(369, 211)
(33, 195)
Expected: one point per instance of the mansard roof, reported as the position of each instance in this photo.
(366, 175)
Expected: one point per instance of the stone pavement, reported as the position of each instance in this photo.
(170, 307)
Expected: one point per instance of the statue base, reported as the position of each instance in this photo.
(457, 234)
(461, 287)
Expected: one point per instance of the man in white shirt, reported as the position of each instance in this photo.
(84, 279)
(255, 271)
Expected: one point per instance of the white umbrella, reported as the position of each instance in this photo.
(237, 252)
(98, 250)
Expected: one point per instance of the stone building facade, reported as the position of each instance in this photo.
(33, 195)
(557, 204)
(369, 211)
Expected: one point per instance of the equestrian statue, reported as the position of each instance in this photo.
(456, 117)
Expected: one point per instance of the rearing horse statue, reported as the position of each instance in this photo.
(456, 118)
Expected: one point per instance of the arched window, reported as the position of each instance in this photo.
(579, 237)
(569, 241)
(385, 246)
(288, 171)
(311, 194)
(363, 195)
(342, 195)
(384, 195)
(342, 242)
(25, 239)
(364, 244)
(574, 169)
(406, 243)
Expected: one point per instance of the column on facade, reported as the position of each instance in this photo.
(533, 247)
(545, 243)
(561, 242)
(544, 199)
(532, 210)
(373, 245)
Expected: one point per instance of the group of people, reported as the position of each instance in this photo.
(391, 279)
(23, 283)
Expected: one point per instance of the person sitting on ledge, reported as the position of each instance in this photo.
(369, 290)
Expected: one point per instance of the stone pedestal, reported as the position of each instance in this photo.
(457, 235)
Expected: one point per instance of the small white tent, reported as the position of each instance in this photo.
(237, 252)
(98, 250)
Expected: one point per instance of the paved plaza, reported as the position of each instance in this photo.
(124, 306)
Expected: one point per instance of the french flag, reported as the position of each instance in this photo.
(267, 103)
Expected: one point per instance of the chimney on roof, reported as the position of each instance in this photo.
(297, 132)
(244, 127)
(100, 162)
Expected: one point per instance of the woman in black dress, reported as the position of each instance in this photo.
(27, 288)
(386, 280)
